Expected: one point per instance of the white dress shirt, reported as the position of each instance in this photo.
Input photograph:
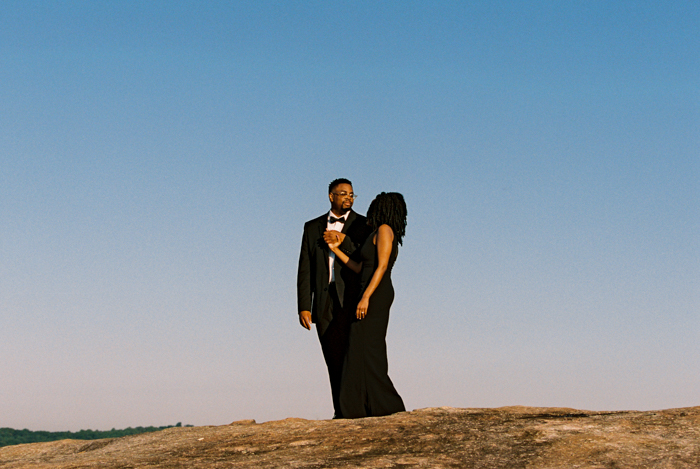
(337, 226)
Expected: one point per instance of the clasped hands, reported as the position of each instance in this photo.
(333, 238)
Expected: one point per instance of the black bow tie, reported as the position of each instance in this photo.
(332, 220)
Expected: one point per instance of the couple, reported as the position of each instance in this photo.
(344, 286)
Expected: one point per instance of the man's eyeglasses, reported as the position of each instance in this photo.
(345, 194)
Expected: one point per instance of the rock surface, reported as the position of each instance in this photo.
(508, 437)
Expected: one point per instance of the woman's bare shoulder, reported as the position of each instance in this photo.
(385, 230)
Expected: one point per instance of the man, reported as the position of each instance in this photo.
(327, 290)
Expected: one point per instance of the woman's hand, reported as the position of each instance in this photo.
(362, 308)
(333, 238)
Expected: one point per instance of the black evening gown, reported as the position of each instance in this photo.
(366, 389)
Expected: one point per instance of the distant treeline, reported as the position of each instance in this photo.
(10, 436)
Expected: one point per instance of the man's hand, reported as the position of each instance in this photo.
(333, 238)
(305, 319)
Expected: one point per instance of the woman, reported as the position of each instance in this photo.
(366, 389)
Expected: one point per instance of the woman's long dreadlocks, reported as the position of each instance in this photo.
(388, 208)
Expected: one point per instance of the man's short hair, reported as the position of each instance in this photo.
(337, 182)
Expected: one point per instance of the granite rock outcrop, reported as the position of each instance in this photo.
(509, 437)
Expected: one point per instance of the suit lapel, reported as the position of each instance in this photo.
(322, 223)
(348, 221)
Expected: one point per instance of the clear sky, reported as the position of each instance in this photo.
(158, 160)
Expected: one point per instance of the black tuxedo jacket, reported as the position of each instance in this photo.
(313, 274)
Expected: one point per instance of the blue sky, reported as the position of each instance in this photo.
(159, 160)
